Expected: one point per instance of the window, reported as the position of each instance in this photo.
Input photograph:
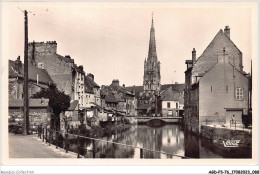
(41, 65)
(211, 89)
(168, 104)
(169, 113)
(239, 93)
(177, 105)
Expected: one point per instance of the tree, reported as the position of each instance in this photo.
(58, 102)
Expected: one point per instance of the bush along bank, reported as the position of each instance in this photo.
(96, 131)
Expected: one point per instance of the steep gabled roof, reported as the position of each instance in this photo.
(43, 76)
(77, 69)
(209, 56)
(137, 89)
(175, 87)
(120, 93)
(170, 95)
(220, 33)
(90, 82)
(66, 59)
(109, 97)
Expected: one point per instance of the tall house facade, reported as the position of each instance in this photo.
(66, 75)
(152, 76)
(216, 87)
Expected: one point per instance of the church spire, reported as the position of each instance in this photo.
(152, 27)
(152, 55)
(152, 77)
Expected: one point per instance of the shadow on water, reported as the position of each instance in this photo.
(200, 147)
(168, 138)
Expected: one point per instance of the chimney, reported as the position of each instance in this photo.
(81, 68)
(47, 48)
(227, 31)
(176, 82)
(115, 82)
(91, 76)
(193, 56)
(123, 85)
(18, 65)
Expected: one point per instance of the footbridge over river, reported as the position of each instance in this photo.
(158, 119)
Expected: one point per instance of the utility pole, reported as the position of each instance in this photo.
(25, 86)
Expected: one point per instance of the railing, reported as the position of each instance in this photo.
(232, 123)
(235, 123)
(47, 135)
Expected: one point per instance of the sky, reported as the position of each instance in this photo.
(111, 39)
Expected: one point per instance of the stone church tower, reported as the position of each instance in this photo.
(152, 76)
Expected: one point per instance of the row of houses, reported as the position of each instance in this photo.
(88, 99)
(96, 104)
(168, 102)
(90, 102)
(216, 88)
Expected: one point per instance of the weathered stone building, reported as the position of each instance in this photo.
(37, 79)
(125, 98)
(78, 85)
(39, 110)
(92, 92)
(67, 76)
(215, 85)
(108, 102)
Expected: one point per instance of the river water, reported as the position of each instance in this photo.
(168, 138)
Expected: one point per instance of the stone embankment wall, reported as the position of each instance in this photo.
(218, 136)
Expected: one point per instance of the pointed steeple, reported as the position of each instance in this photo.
(152, 27)
(152, 55)
(152, 77)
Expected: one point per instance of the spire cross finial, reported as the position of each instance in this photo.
(152, 15)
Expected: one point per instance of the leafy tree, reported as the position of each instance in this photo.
(58, 102)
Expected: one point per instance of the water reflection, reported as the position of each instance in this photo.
(168, 138)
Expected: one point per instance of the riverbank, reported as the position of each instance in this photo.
(100, 131)
(109, 129)
(225, 141)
